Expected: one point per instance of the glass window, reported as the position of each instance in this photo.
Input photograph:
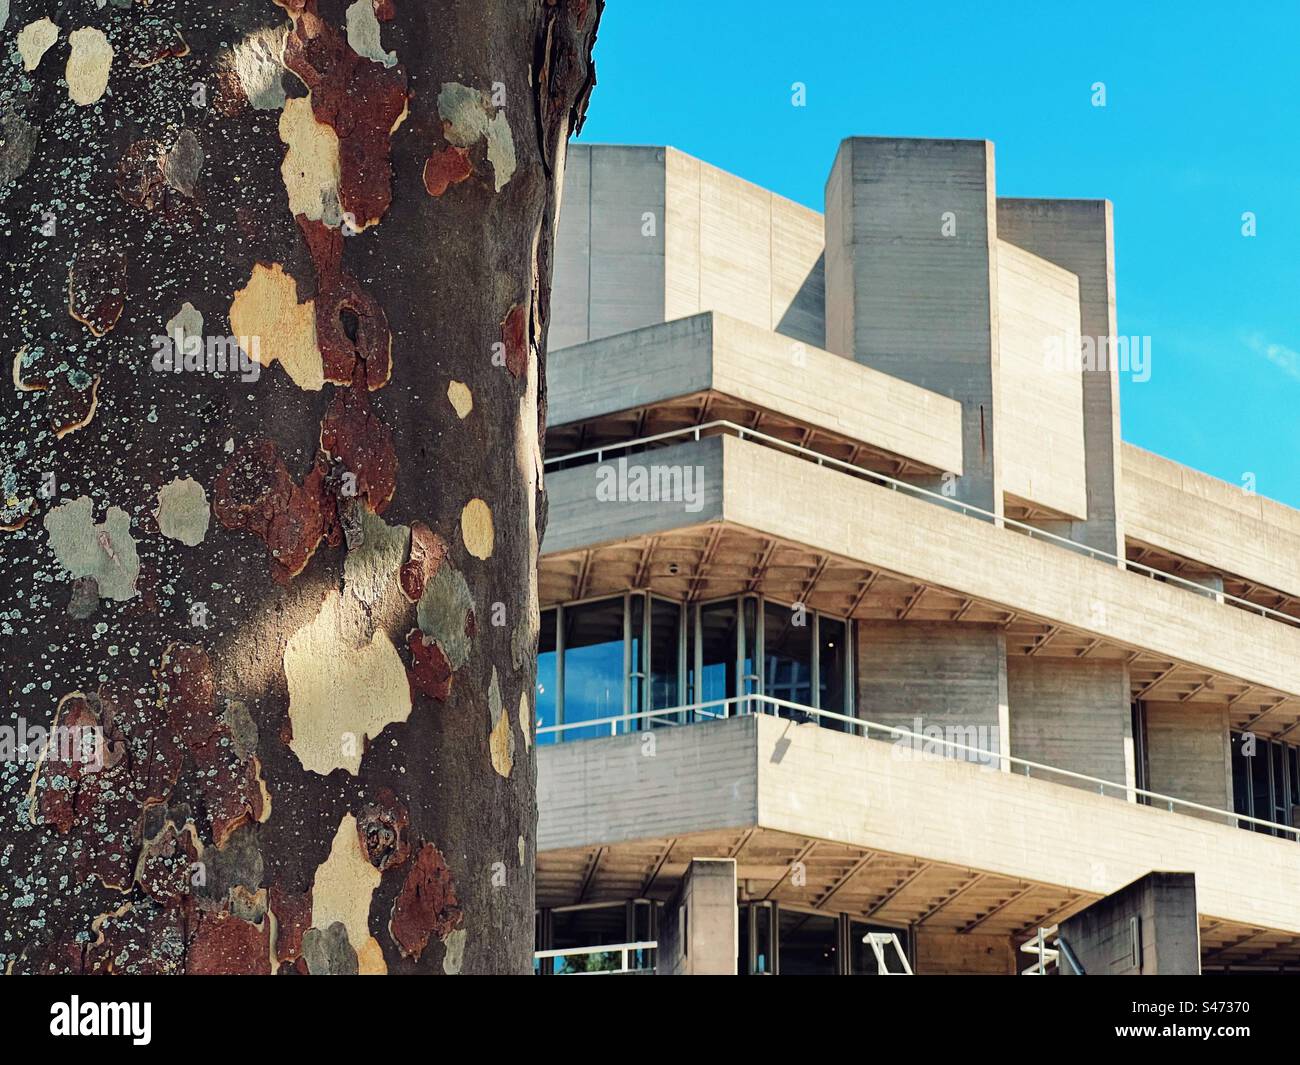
(547, 692)
(787, 653)
(832, 652)
(715, 658)
(809, 944)
(590, 926)
(1261, 790)
(749, 646)
(665, 658)
(593, 665)
(755, 921)
(636, 659)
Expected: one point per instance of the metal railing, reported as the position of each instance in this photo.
(743, 705)
(723, 427)
(623, 950)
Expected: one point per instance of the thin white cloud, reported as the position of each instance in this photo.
(1284, 358)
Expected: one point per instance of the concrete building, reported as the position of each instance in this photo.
(867, 645)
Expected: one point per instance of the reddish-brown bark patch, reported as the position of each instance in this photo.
(514, 337)
(352, 434)
(360, 100)
(229, 945)
(427, 904)
(446, 168)
(351, 328)
(430, 673)
(292, 918)
(428, 550)
(257, 493)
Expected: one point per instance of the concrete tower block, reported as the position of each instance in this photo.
(699, 934)
(1078, 235)
(911, 279)
(1148, 928)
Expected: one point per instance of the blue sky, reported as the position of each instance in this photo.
(1202, 123)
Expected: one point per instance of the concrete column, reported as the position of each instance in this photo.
(699, 933)
(1148, 928)
(1073, 714)
(1189, 753)
(911, 279)
(1078, 235)
(942, 679)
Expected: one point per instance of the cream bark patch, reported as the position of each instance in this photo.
(341, 892)
(311, 165)
(268, 319)
(259, 68)
(183, 512)
(34, 41)
(501, 738)
(343, 690)
(461, 399)
(88, 65)
(476, 528)
(105, 551)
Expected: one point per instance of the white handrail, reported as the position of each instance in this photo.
(623, 950)
(741, 703)
(966, 508)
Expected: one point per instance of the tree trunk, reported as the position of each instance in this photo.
(277, 284)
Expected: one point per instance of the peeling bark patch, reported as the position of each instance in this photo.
(453, 958)
(311, 164)
(382, 831)
(352, 331)
(428, 550)
(34, 40)
(72, 407)
(476, 529)
(341, 892)
(105, 552)
(17, 141)
(292, 916)
(446, 614)
(460, 398)
(267, 309)
(514, 337)
(465, 120)
(88, 65)
(181, 165)
(427, 906)
(256, 492)
(327, 951)
(501, 739)
(84, 600)
(525, 720)
(430, 672)
(363, 34)
(341, 693)
(229, 945)
(183, 513)
(446, 168)
(258, 69)
(97, 287)
(350, 433)
(368, 571)
(363, 101)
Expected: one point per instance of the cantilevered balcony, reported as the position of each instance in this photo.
(907, 829)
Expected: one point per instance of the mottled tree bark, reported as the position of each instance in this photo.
(276, 286)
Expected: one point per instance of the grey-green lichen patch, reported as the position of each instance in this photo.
(183, 512)
(186, 324)
(259, 67)
(181, 165)
(369, 569)
(17, 139)
(443, 611)
(4, 13)
(243, 729)
(105, 551)
(327, 951)
(500, 149)
(363, 34)
(464, 118)
(454, 952)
